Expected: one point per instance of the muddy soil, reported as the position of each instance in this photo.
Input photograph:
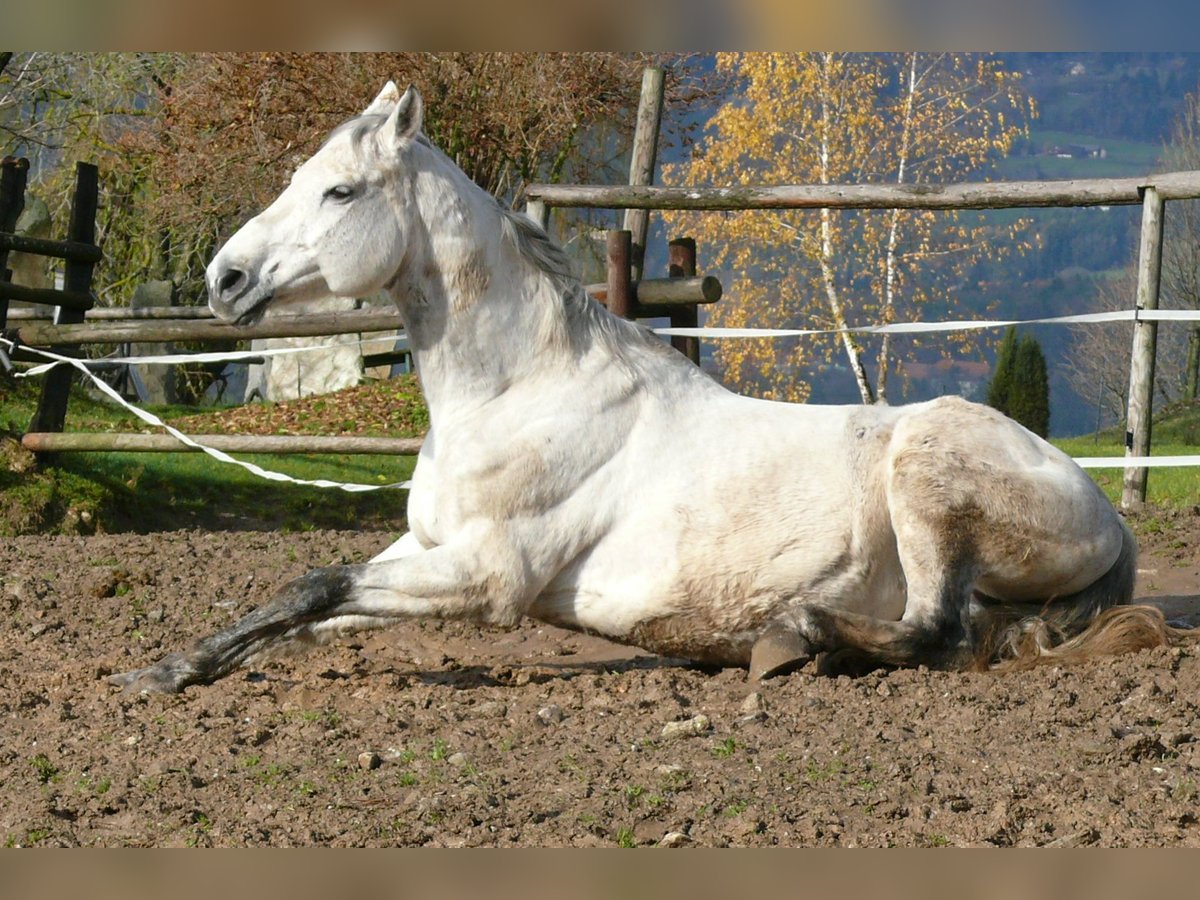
(452, 735)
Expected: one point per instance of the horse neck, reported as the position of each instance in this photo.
(479, 314)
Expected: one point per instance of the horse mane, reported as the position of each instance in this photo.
(586, 319)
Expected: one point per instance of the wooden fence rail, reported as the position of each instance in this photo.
(978, 195)
(77, 442)
(1151, 191)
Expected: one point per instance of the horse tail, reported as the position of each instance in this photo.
(1096, 621)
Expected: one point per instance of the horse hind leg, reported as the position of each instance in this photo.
(939, 638)
(936, 554)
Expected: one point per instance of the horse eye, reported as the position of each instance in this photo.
(339, 192)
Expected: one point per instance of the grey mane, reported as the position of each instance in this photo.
(585, 317)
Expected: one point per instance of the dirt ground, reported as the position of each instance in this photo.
(451, 735)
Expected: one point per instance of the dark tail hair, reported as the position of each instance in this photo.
(1096, 621)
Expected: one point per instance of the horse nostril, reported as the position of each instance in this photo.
(229, 281)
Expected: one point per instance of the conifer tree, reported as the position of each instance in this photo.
(1020, 387)
(1001, 385)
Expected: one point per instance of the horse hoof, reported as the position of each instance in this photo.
(778, 652)
(166, 676)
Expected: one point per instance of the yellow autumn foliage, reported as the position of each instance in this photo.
(843, 118)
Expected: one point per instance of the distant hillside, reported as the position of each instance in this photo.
(1100, 115)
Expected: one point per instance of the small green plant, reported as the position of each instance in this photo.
(439, 750)
(816, 772)
(725, 749)
(632, 792)
(43, 768)
(407, 778)
(625, 838)
(736, 808)
(307, 788)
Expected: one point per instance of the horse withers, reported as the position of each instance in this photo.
(581, 472)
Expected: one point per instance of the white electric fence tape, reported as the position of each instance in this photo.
(219, 455)
(1088, 462)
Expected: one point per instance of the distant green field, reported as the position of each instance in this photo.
(1123, 158)
(1176, 433)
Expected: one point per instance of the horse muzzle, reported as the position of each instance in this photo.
(238, 296)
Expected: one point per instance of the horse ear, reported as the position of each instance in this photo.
(406, 117)
(385, 102)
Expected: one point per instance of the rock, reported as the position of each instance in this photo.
(692, 727)
(674, 839)
(1078, 839)
(550, 715)
(458, 760)
(369, 760)
(490, 709)
(753, 709)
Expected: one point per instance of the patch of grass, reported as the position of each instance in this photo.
(819, 772)
(1175, 487)
(1176, 433)
(307, 788)
(45, 770)
(725, 749)
(144, 492)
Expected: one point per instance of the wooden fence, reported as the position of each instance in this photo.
(677, 297)
(1150, 192)
(76, 322)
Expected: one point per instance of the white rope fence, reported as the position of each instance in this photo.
(1090, 462)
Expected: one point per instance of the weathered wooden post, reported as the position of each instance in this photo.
(620, 289)
(77, 279)
(157, 382)
(539, 212)
(13, 173)
(682, 264)
(641, 165)
(1145, 337)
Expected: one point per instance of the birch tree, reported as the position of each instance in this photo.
(841, 118)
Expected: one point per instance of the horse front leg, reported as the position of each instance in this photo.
(444, 582)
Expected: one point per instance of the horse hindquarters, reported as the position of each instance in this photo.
(977, 502)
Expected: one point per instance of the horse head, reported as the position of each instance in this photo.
(341, 226)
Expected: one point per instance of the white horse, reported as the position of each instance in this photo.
(581, 472)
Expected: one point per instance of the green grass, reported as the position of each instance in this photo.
(1124, 158)
(157, 491)
(1176, 432)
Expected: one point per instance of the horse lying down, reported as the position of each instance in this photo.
(579, 471)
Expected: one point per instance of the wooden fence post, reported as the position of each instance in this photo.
(77, 278)
(641, 165)
(538, 212)
(1145, 335)
(13, 173)
(682, 264)
(620, 289)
